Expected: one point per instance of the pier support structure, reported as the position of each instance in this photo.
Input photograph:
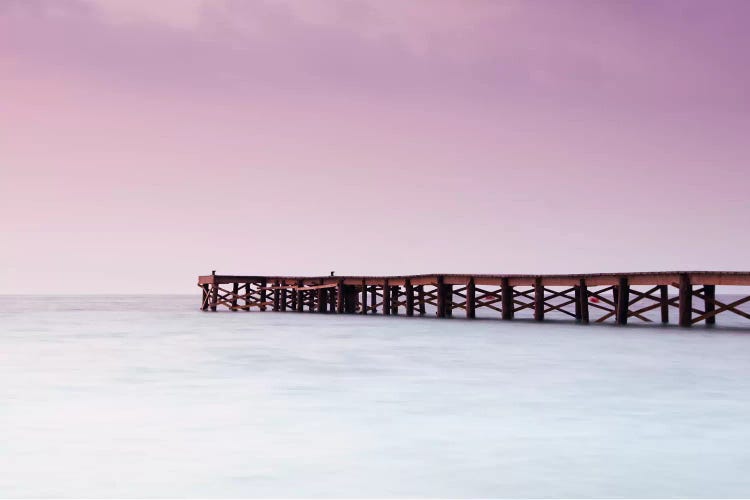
(595, 298)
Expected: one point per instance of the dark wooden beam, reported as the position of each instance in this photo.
(686, 300)
(664, 303)
(709, 296)
(263, 284)
(214, 296)
(623, 300)
(440, 297)
(386, 298)
(420, 297)
(300, 297)
(395, 299)
(583, 293)
(506, 294)
(538, 299)
(471, 294)
(204, 302)
(340, 305)
(409, 290)
(364, 298)
(276, 295)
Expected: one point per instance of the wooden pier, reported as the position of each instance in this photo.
(585, 298)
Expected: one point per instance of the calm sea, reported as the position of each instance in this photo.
(147, 396)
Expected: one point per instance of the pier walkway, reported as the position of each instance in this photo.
(585, 298)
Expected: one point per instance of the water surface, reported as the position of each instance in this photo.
(146, 396)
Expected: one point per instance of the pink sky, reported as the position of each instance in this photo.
(144, 142)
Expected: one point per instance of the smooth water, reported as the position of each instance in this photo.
(146, 396)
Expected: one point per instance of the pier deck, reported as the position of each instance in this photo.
(585, 298)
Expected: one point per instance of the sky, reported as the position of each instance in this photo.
(143, 143)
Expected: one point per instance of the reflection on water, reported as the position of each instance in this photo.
(145, 396)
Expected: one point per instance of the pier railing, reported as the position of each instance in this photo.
(585, 298)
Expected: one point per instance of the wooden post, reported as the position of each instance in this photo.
(263, 285)
(686, 301)
(364, 298)
(395, 298)
(386, 298)
(321, 299)
(214, 296)
(664, 302)
(577, 297)
(709, 294)
(340, 307)
(448, 301)
(247, 297)
(583, 292)
(311, 295)
(538, 299)
(506, 298)
(204, 302)
(300, 296)
(350, 299)
(235, 292)
(374, 299)
(276, 295)
(623, 299)
(471, 299)
(409, 297)
(332, 297)
(440, 297)
(283, 297)
(420, 295)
